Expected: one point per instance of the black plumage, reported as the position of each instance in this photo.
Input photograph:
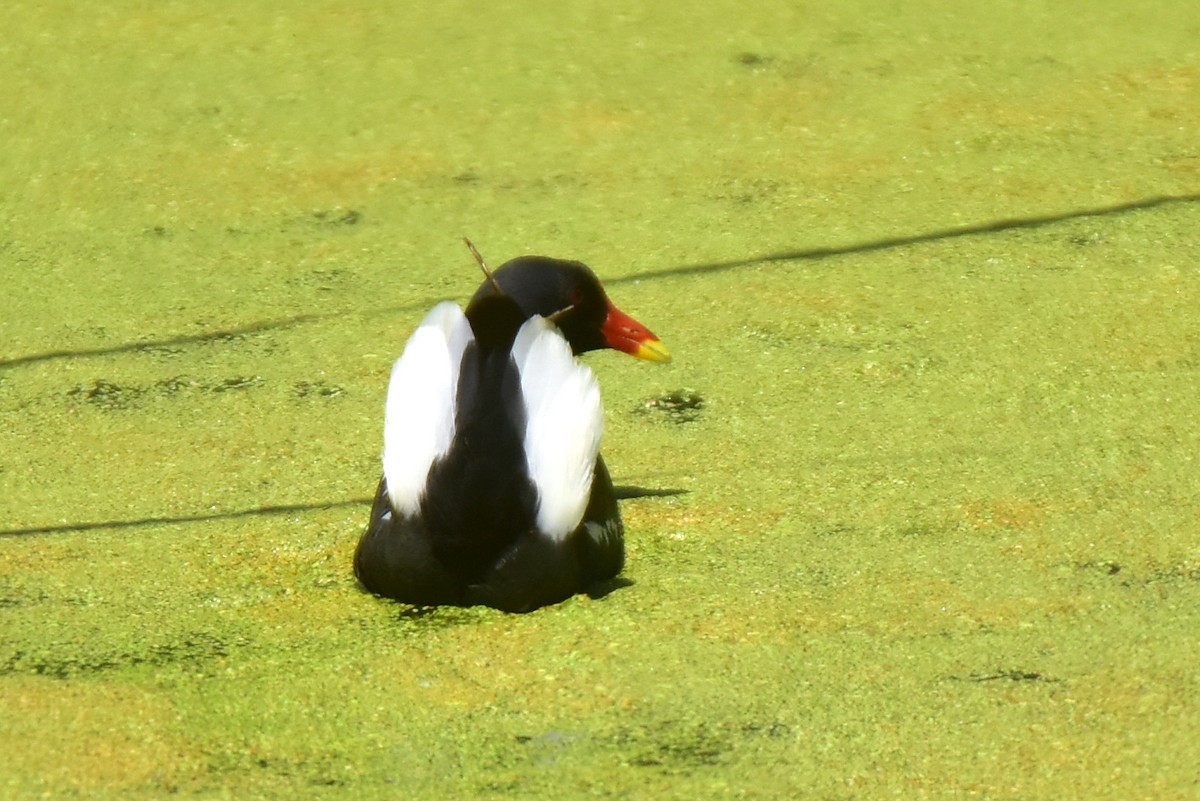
(473, 535)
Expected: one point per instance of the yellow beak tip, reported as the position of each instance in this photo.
(653, 350)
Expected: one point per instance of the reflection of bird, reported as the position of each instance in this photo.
(493, 491)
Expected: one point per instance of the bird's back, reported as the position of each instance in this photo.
(495, 517)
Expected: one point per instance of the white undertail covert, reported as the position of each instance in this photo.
(421, 400)
(564, 422)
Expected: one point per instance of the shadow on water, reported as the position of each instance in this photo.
(156, 344)
(887, 243)
(630, 491)
(808, 254)
(144, 522)
(607, 587)
(622, 493)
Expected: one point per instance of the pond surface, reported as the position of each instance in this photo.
(913, 512)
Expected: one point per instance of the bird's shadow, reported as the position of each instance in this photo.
(437, 617)
(602, 589)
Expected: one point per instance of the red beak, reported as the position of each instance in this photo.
(627, 335)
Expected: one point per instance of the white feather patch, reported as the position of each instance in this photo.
(420, 403)
(565, 421)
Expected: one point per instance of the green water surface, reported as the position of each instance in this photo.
(931, 519)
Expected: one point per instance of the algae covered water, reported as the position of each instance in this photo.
(913, 512)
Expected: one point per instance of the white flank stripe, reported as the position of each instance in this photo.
(420, 403)
(565, 421)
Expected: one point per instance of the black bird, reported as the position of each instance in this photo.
(493, 490)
